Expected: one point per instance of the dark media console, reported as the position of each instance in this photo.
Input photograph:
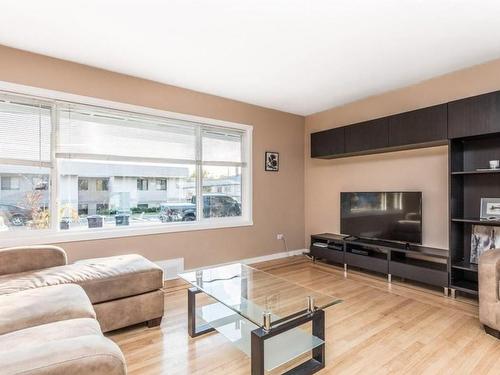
(412, 262)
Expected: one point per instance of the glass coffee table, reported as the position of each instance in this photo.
(261, 314)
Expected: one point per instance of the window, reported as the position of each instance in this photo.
(218, 179)
(221, 182)
(83, 184)
(25, 161)
(10, 183)
(93, 157)
(83, 209)
(142, 184)
(101, 184)
(102, 209)
(161, 184)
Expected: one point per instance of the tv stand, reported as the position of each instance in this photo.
(351, 238)
(412, 262)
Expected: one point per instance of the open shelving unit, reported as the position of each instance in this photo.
(467, 187)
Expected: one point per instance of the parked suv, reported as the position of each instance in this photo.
(17, 216)
(214, 205)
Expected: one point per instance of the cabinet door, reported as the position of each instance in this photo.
(327, 143)
(368, 135)
(420, 126)
(474, 116)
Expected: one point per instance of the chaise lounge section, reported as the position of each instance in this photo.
(52, 330)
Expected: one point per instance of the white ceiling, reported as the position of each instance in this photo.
(299, 56)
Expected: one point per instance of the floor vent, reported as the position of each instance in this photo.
(171, 267)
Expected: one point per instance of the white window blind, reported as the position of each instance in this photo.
(25, 132)
(91, 133)
(222, 145)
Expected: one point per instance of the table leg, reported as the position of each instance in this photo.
(192, 329)
(311, 366)
(257, 353)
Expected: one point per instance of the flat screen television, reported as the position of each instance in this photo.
(390, 216)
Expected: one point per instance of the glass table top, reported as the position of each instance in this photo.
(251, 293)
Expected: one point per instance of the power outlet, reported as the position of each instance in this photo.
(280, 236)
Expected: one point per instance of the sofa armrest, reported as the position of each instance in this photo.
(29, 258)
(489, 272)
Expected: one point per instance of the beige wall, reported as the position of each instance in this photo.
(278, 197)
(424, 169)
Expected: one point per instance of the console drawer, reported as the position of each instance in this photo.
(327, 254)
(367, 262)
(424, 275)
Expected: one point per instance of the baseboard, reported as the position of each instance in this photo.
(259, 259)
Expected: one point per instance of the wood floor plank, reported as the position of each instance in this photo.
(380, 328)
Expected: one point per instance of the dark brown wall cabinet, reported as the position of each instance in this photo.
(474, 116)
(328, 143)
(369, 135)
(418, 127)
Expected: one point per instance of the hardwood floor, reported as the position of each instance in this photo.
(377, 329)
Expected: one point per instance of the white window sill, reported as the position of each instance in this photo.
(38, 237)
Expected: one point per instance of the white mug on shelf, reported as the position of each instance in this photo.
(494, 164)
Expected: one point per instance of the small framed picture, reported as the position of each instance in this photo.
(483, 238)
(272, 161)
(490, 208)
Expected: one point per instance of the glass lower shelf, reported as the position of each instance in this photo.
(278, 350)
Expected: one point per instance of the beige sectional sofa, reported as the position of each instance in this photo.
(52, 314)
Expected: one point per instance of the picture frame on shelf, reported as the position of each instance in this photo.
(483, 238)
(490, 209)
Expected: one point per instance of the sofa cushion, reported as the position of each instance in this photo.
(80, 355)
(46, 333)
(38, 306)
(103, 279)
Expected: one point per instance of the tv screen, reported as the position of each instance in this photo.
(392, 216)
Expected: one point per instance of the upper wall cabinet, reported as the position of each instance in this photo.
(368, 135)
(474, 116)
(328, 143)
(417, 127)
(479, 115)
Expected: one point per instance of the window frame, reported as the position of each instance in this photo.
(54, 234)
